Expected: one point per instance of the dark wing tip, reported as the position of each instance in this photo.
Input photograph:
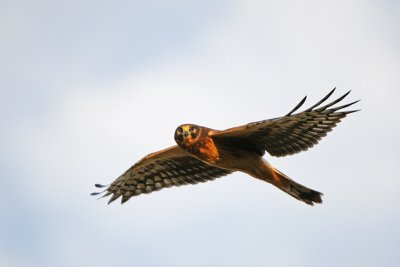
(352, 111)
(125, 199)
(333, 102)
(297, 106)
(321, 101)
(331, 92)
(113, 197)
(100, 185)
(344, 106)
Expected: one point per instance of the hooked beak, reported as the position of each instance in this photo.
(185, 131)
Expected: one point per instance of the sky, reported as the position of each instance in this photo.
(90, 87)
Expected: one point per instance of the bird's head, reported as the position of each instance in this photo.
(187, 134)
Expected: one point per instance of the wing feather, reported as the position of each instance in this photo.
(289, 134)
(166, 168)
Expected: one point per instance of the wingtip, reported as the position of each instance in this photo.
(304, 99)
(346, 94)
(124, 200)
(352, 111)
(114, 197)
(297, 106)
(321, 101)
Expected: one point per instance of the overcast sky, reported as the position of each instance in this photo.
(90, 87)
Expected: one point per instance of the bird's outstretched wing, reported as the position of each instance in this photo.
(289, 134)
(166, 168)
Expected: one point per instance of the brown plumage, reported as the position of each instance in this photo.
(203, 154)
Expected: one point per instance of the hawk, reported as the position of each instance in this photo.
(203, 154)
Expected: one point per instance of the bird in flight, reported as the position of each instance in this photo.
(203, 154)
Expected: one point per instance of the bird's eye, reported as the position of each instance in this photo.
(179, 138)
(179, 130)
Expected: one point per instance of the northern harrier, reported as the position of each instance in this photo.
(203, 154)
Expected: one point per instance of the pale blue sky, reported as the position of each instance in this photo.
(90, 87)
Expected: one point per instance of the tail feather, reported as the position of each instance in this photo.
(294, 189)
